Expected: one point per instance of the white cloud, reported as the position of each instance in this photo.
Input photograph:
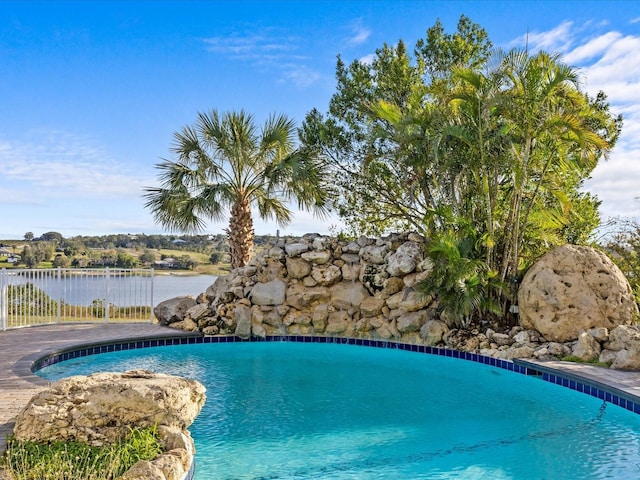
(250, 46)
(359, 34)
(608, 62)
(368, 59)
(559, 39)
(592, 48)
(59, 165)
(267, 50)
(300, 75)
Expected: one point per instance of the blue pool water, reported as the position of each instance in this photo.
(326, 411)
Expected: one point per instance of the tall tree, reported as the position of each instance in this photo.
(477, 148)
(225, 163)
(384, 187)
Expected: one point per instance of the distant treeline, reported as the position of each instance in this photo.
(117, 250)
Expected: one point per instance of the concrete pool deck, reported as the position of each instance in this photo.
(20, 348)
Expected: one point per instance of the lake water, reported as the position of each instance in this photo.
(120, 290)
(170, 286)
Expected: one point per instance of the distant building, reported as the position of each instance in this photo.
(166, 263)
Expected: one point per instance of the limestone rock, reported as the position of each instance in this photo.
(371, 306)
(433, 331)
(326, 275)
(320, 317)
(338, 322)
(587, 348)
(517, 352)
(351, 248)
(625, 342)
(627, 359)
(297, 267)
(374, 254)
(173, 310)
(350, 271)
(101, 408)
(144, 470)
(301, 297)
(522, 338)
(187, 325)
(296, 249)
(502, 339)
(317, 257)
(405, 259)
(411, 322)
(197, 311)
(218, 291)
(242, 315)
(258, 330)
(269, 293)
(623, 337)
(601, 334)
(373, 276)
(571, 289)
(345, 295)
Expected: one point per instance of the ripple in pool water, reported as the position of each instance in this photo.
(325, 411)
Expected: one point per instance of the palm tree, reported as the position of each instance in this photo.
(225, 163)
(552, 135)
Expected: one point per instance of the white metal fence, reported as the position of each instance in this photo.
(67, 295)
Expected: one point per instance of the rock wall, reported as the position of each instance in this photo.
(319, 285)
(101, 409)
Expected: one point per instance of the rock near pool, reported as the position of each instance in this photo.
(101, 409)
(573, 289)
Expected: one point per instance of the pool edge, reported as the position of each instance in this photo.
(549, 372)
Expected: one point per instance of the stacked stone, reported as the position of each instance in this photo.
(319, 285)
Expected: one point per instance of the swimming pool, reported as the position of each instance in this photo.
(281, 410)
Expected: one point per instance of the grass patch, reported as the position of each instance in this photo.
(73, 460)
(594, 361)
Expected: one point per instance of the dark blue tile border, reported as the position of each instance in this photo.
(564, 379)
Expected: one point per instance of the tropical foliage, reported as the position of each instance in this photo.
(482, 151)
(225, 164)
(623, 246)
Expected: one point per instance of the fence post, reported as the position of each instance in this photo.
(3, 299)
(106, 296)
(151, 300)
(59, 281)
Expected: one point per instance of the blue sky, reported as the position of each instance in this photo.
(91, 92)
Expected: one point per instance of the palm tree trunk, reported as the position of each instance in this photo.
(240, 233)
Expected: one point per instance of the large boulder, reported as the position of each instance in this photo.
(571, 289)
(101, 409)
(173, 310)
